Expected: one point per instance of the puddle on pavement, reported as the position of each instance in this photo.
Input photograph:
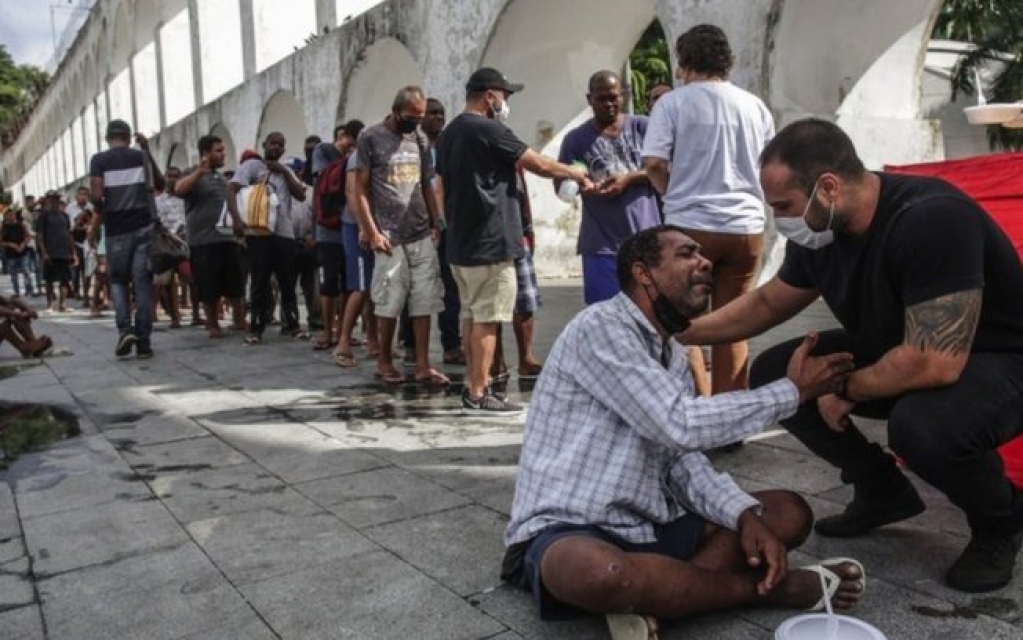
(31, 427)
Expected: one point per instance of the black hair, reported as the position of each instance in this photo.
(705, 49)
(339, 130)
(353, 128)
(206, 143)
(810, 147)
(645, 247)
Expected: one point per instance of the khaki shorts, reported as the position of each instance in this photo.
(411, 273)
(164, 279)
(487, 292)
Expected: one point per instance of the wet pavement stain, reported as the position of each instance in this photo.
(956, 611)
(32, 427)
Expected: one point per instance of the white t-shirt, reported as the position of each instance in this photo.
(712, 133)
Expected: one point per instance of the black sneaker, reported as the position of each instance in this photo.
(489, 404)
(866, 514)
(143, 352)
(986, 563)
(125, 344)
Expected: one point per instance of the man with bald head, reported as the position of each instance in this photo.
(622, 201)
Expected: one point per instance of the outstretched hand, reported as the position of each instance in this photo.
(817, 375)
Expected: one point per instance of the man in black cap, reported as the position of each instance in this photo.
(476, 160)
(122, 183)
(57, 249)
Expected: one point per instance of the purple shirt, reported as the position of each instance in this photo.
(607, 222)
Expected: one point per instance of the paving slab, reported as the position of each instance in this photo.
(164, 594)
(262, 544)
(76, 473)
(379, 496)
(10, 526)
(461, 548)
(370, 595)
(23, 623)
(106, 533)
(11, 549)
(16, 587)
(196, 495)
(206, 452)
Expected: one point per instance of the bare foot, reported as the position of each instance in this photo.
(802, 589)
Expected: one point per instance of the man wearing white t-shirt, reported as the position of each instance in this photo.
(700, 151)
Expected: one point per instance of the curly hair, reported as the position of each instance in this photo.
(705, 49)
(643, 246)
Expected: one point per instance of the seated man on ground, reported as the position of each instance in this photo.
(616, 509)
(16, 327)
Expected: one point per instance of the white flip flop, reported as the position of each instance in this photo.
(832, 579)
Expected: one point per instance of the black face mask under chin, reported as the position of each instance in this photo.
(667, 314)
(406, 127)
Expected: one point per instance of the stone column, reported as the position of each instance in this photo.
(193, 27)
(248, 18)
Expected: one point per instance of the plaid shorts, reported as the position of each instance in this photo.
(527, 297)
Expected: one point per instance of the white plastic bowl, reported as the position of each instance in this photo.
(993, 113)
(813, 626)
(1014, 124)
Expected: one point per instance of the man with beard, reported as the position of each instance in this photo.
(271, 253)
(929, 293)
(610, 144)
(616, 509)
(215, 257)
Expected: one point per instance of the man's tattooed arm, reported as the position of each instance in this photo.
(946, 324)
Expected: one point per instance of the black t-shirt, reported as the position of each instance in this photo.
(15, 234)
(56, 232)
(928, 239)
(476, 160)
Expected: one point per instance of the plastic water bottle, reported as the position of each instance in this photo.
(568, 190)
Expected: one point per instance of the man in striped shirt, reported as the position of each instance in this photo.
(122, 184)
(616, 509)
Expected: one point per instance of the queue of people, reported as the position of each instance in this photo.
(617, 509)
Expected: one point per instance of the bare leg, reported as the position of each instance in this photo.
(522, 324)
(212, 320)
(698, 367)
(385, 363)
(601, 578)
(424, 371)
(328, 304)
(349, 313)
(482, 340)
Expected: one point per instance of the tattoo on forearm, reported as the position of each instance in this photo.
(946, 324)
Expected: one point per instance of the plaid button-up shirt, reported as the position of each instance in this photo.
(613, 436)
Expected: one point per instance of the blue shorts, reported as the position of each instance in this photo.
(527, 296)
(358, 261)
(679, 539)
(600, 277)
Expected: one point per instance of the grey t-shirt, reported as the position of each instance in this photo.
(203, 206)
(253, 171)
(397, 165)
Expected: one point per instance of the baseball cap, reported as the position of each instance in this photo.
(490, 78)
(118, 128)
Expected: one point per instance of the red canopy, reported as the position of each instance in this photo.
(995, 181)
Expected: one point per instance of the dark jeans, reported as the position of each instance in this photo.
(128, 262)
(948, 435)
(272, 255)
(305, 267)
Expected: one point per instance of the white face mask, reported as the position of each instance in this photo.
(796, 229)
(501, 115)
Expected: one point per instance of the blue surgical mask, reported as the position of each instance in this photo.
(798, 231)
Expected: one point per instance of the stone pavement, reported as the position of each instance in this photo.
(223, 491)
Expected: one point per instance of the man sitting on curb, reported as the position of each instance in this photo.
(616, 509)
(16, 327)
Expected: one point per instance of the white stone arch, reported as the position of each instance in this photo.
(178, 156)
(122, 43)
(146, 18)
(564, 48)
(230, 150)
(384, 67)
(870, 84)
(283, 113)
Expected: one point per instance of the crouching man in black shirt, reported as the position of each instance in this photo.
(929, 293)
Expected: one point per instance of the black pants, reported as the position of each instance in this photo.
(305, 271)
(948, 436)
(272, 255)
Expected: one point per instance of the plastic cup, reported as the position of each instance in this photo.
(814, 626)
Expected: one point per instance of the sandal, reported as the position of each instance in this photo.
(630, 626)
(530, 371)
(392, 377)
(454, 357)
(253, 339)
(833, 580)
(434, 379)
(344, 360)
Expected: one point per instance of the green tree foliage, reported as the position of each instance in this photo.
(21, 86)
(996, 28)
(651, 65)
